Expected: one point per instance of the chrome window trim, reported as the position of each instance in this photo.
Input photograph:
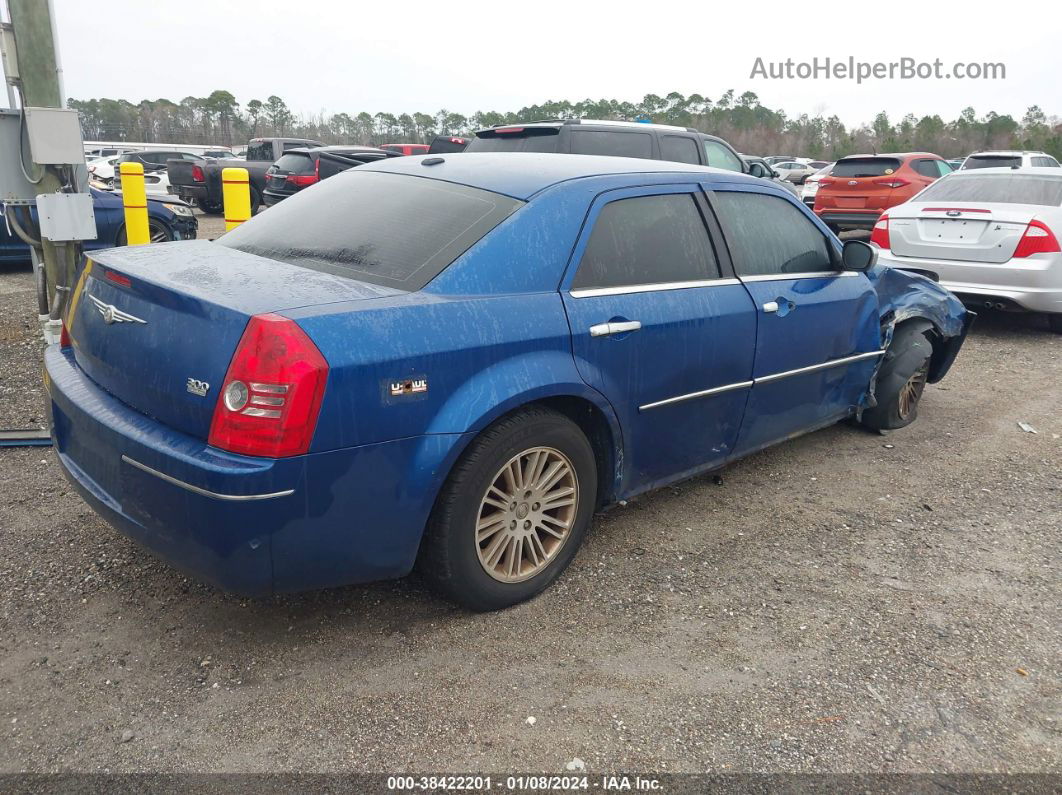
(777, 277)
(594, 292)
(762, 380)
(205, 492)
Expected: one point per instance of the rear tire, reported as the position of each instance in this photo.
(256, 200)
(208, 207)
(901, 380)
(501, 532)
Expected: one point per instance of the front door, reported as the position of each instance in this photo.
(662, 329)
(818, 338)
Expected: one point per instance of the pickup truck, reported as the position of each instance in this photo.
(201, 181)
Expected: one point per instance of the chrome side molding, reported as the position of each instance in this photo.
(204, 492)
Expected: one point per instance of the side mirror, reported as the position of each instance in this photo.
(858, 256)
(757, 170)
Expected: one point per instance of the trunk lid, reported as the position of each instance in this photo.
(156, 326)
(986, 233)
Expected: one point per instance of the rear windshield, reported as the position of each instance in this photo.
(389, 229)
(530, 139)
(865, 167)
(991, 161)
(295, 164)
(446, 143)
(996, 188)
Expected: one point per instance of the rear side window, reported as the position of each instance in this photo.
(992, 161)
(720, 156)
(647, 240)
(530, 139)
(358, 225)
(617, 144)
(769, 236)
(260, 150)
(1016, 188)
(865, 167)
(295, 164)
(679, 148)
(927, 168)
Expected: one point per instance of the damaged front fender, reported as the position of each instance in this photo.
(905, 297)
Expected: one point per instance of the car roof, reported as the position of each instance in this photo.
(1031, 171)
(1008, 152)
(523, 174)
(895, 155)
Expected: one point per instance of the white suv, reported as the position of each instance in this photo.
(1009, 159)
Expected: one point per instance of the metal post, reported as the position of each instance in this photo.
(40, 87)
(236, 196)
(134, 200)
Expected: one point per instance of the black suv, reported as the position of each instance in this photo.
(299, 168)
(616, 138)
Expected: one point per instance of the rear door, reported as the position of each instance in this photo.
(661, 328)
(817, 335)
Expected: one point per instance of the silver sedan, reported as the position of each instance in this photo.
(991, 236)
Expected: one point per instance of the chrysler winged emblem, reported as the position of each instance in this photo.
(112, 314)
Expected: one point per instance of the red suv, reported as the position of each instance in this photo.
(860, 188)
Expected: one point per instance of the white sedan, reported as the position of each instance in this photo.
(991, 236)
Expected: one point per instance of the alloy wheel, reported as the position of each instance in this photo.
(911, 391)
(527, 514)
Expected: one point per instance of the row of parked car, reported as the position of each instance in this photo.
(856, 192)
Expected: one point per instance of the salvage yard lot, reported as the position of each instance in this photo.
(844, 601)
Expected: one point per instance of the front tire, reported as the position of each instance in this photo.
(159, 232)
(901, 380)
(513, 511)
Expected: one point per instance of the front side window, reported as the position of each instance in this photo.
(720, 156)
(647, 240)
(768, 236)
(616, 144)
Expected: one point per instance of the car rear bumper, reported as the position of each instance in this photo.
(197, 192)
(270, 197)
(249, 525)
(850, 219)
(1032, 283)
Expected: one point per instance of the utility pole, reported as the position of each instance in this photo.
(40, 85)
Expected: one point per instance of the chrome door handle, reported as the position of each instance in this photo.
(608, 329)
(770, 306)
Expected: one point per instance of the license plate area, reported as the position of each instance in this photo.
(952, 230)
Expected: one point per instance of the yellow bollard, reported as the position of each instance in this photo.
(236, 196)
(134, 199)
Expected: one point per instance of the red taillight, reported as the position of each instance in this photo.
(117, 278)
(826, 181)
(1038, 239)
(879, 235)
(272, 392)
(302, 180)
(64, 337)
(891, 182)
(197, 174)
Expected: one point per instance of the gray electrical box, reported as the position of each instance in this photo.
(14, 187)
(55, 136)
(66, 216)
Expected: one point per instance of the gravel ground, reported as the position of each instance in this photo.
(841, 602)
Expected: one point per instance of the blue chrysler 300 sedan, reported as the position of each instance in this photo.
(453, 362)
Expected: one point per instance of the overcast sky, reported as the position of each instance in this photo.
(406, 56)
